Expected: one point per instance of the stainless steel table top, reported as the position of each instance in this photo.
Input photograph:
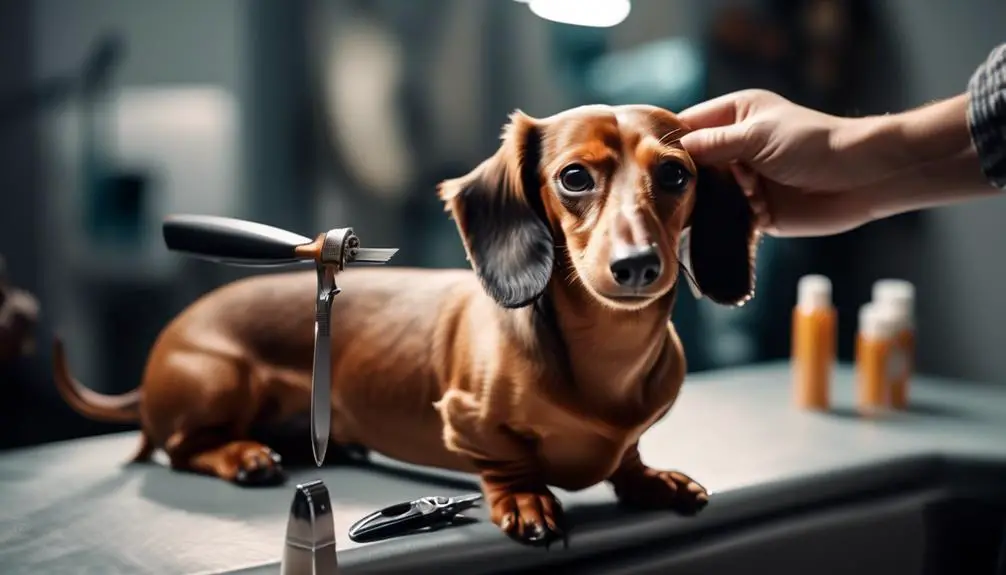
(75, 507)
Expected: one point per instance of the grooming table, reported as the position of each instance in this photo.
(793, 492)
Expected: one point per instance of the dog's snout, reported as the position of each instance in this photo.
(636, 267)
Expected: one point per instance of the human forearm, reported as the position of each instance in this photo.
(927, 157)
(943, 153)
(942, 182)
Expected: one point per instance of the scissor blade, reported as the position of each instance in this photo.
(321, 396)
(462, 502)
(374, 255)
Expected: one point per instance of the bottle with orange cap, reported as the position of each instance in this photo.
(814, 343)
(898, 298)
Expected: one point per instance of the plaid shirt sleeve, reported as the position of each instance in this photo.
(987, 115)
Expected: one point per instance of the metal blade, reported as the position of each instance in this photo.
(321, 393)
(373, 255)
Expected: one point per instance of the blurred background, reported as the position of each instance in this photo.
(315, 114)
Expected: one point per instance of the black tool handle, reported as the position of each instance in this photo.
(393, 521)
(232, 241)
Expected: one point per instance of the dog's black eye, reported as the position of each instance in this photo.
(672, 176)
(576, 179)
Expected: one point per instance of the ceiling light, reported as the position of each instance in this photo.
(592, 13)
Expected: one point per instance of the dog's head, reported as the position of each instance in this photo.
(609, 193)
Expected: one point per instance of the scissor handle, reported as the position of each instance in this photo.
(394, 520)
(233, 241)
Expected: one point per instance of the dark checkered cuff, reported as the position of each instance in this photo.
(987, 115)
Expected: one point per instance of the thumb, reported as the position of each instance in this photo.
(719, 145)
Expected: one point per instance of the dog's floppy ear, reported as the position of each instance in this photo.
(498, 211)
(723, 239)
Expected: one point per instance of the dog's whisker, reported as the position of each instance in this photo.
(570, 277)
(653, 212)
(674, 141)
(664, 139)
(688, 273)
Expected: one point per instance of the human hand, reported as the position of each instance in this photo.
(802, 170)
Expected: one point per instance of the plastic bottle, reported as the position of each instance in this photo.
(899, 297)
(814, 343)
(878, 357)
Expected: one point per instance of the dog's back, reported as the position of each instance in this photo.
(270, 318)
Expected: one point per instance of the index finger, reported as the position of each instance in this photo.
(720, 111)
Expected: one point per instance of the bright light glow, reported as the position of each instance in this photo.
(593, 13)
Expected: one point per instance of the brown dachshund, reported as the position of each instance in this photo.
(543, 368)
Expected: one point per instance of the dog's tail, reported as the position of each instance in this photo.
(123, 408)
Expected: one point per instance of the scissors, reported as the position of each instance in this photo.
(403, 518)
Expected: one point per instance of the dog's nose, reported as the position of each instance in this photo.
(637, 267)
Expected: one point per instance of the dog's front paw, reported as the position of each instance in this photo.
(259, 466)
(655, 489)
(532, 517)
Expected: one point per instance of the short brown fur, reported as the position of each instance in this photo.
(539, 369)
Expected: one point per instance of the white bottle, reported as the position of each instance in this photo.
(898, 297)
(878, 361)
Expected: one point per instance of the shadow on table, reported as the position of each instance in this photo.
(361, 483)
(420, 476)
(10, 474)
(917, 408)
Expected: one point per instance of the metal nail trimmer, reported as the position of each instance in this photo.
(310, 538)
